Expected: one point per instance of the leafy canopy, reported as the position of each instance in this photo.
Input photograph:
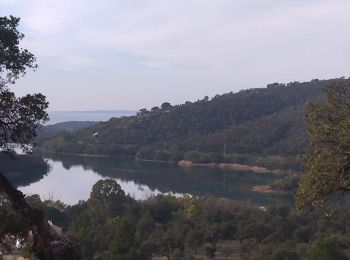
(328, 159)
(19, 117)
(13, 60)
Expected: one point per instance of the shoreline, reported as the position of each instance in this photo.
(268, 189)
(92, 155)
(234, 167)
(154, 161)
(76, 154)
(188, 164)
(227, 166)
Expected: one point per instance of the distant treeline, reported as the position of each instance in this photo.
(257, 126)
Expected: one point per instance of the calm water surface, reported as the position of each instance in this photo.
(71, 178)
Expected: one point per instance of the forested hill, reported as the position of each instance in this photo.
(262, 126)
(54, 129)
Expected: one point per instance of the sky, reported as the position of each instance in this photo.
(131, 54)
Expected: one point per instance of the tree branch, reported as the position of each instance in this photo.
(47, 243)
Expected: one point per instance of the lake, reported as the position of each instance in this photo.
(70, 179)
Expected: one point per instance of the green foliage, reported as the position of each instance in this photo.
(20, 117)
(123, 245)
(328, 159)
(123, 228)
(166, 226)
(210, 251)
(289, 183)
(99, 223)
(105, 191)
(328, 249)
(162, 211)
(284, 254)
(303, 233)
(10, 223)
(197, 157)
(13, 60)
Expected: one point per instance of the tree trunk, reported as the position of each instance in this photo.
(47, 243)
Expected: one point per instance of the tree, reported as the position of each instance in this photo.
(328, 159)
(20, 119)
(166, 106)
(13, 60)
(155, 109)
(143, 111)
(107, 196)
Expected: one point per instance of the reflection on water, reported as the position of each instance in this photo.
(71, 178)
(75, 183)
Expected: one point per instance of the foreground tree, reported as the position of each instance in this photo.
(328, 159)
(20, 119)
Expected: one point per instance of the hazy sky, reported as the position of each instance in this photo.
(111, 54)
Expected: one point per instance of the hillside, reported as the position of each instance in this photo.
(52, 130)
(256, 126)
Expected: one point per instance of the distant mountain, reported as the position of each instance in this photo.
(257, 126)
(97, 115)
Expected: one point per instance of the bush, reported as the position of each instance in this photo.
(328, 249)
(197, 157)
(210, 251)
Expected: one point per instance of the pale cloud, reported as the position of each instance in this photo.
(230, 44)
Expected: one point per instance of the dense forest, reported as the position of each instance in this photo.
(257, 126)
(111, 225)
